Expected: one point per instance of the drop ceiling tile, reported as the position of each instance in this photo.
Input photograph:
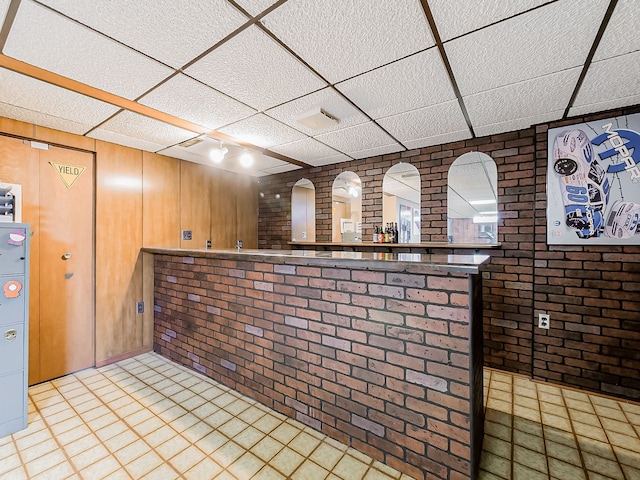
(169, 31)
(517, 123)
(42, 119)
(286, 167)
(375, 151)
(54, 105)
(439, 139)
(621, 35)
(457, 17)
(419, 126)
(535, 97)
(255, 70)
(610, 83)
(191, 100)
(263, 164)
(341, 39)
(125, 140)
(4, 6)
(255, 7)
(48, 40)
(357, 138)
(329, 160)
(414, 82)
(329, 100)
(262, 131)
(309, 150)
(146, 129)
(537, 43)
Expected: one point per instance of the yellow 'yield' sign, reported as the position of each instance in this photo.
(68, 173)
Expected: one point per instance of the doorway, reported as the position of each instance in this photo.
(58, 203)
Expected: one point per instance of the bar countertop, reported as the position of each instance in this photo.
(414, 262)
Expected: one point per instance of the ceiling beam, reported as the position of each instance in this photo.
(592, 52)
(447, 65)
(126, 104)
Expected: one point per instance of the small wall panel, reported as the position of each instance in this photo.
(247, 210)
(224, 214)
(195, 198)
(118, 242)
(160, 201)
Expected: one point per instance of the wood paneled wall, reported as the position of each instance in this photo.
(118, 240)
(146, 199)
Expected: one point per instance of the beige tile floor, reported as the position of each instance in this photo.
(149, 418)
(541, 431)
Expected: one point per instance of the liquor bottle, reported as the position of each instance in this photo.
(375, 234)
(396, 235)
(387, 234)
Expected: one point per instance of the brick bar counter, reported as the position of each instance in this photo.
(380, 351)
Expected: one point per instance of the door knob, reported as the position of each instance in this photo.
(66, 256)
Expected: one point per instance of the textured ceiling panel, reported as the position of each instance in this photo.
(327, 99)
(375, 151)
(457, 17)
(516, 124)
(414, 82)
(54, 102)
(330, 160)
(173, 33)
(262, 131)
(548, 40)
(125, 140)
(285, 167)
(358, 138)
(621, 35)
(39, 118)
(309, 150)
(420, 125)
(342, 39)
(4, 6)
(610, 83)
(255, 7)
(254, 69)
(189, 99)
(48, 40)
(147, 129)
(536, 97)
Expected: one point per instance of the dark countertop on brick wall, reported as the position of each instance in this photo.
(413, 262)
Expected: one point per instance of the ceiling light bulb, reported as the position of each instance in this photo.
(217, 154)
(246, 160)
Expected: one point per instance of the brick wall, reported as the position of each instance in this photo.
(591, 292)
(377, 359)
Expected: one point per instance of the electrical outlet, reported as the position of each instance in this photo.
(208, 244)
(140, 307)
(543, 321)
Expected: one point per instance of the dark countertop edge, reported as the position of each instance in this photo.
(409, 262)
(468, 246)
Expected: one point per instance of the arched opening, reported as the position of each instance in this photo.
(347, 208)
(472, 199)
(401, 201)
(303, 211)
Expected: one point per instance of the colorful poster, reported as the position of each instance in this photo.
(593, 183)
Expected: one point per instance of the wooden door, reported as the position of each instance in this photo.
(66, 262)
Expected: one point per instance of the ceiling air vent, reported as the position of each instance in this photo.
(191, 143)
(316, 119)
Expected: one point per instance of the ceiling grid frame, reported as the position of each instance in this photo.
(487, 16)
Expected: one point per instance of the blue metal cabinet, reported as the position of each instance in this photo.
(14, 326)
